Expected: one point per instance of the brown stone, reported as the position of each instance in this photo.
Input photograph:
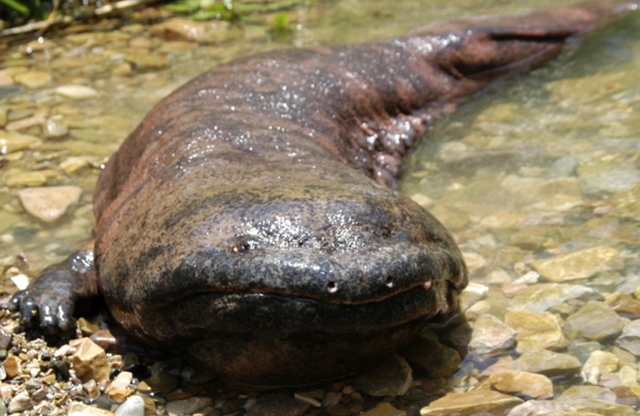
(521, 383)
(120, 395)
(384, 409)
(12, 365)
(471, 403)
(90, 361)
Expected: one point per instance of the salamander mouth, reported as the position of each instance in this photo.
(209, 314)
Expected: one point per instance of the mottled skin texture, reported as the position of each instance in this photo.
(250, 223)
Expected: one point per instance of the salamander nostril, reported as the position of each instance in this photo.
(332, 286)
(389, 281)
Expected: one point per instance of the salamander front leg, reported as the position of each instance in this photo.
(51, 297)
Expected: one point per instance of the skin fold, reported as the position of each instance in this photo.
(250, 222)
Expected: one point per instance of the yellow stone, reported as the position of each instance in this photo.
(579, 264)
(90, 361)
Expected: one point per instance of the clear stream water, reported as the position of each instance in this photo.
(542, 164)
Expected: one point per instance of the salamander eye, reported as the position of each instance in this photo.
(243, 245)
(332, 286)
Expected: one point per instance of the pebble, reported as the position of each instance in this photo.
(472, 294)
(273, 404)
(160, 383)
(579, 264)
(392, 377)
(623, 304)
(76, 92)
(491, 336)
(595, 321)
(185, 392)
(431, 358)
(546, 362)
(13, 366)
(133, 406)
(384, 409)
(33, 79)
(536, 330)
(50, 203)
(21, 281)
(148, 61)
(20, 402)
(12, 142)
(90, 361)
(476, 402)
(25, 179)
(599, 362)
(189, 30)
(53, 129)
(630, 338)
(80, 409)
(521, 383)
(543, 296)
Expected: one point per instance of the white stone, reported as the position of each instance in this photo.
(49, 204)
(76, 92)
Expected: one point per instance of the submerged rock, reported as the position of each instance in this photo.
(391, 378)
(579, 264)
(472, 403)
(546, 362)
(536, 331)
(595, 321)
(630, 338)
(49, 204)
(522, 383)
(490, 336)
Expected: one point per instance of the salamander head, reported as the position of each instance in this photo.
(280, 285)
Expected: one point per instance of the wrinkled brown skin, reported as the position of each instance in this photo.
(250, 223)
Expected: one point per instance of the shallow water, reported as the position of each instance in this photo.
(534, 167)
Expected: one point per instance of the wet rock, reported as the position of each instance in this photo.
(13, 366)
(20, 402)
(521, 383)
(188, 406)
(476, 264)
(543, 296)
(630, 338)
(185, 392)
(490, 336)
(76, 92)
(12, 142)
(53, 129)
(80, 409)
(471, 403)
(579, 264)
(615, 180)
(471, 294)
(194, 31)
(90, 361)
(160, 383)
(133, 406)
(623, 304)
(25, 179)
(148, 61)
(599, 362)
(91, 388)
(506, 218)
(476, 310)
(33, 79)
(392, 377)
(276, 405)
(536, 331)
(3, 116)
(121, 381)
(546, 362)
(582, 350)
(37, 119)
(558, 194)
(120, 395)
(5, 339)
(49, 204)
(430, 358)
(384, 409)
(595, 321)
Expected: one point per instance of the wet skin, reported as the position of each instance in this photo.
(250, 222)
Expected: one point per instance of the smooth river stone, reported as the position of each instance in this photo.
(536, 331)
(12, 142)
(595, 321)
(34, 79)
(203, 32)
(471, 403)
(76, 92)
(50, 203)
(579, 264)
(522, 383)
(546, 362)
(599, 362)
(543, 296)
(490, 335)
(392, 377)
(630, 338)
